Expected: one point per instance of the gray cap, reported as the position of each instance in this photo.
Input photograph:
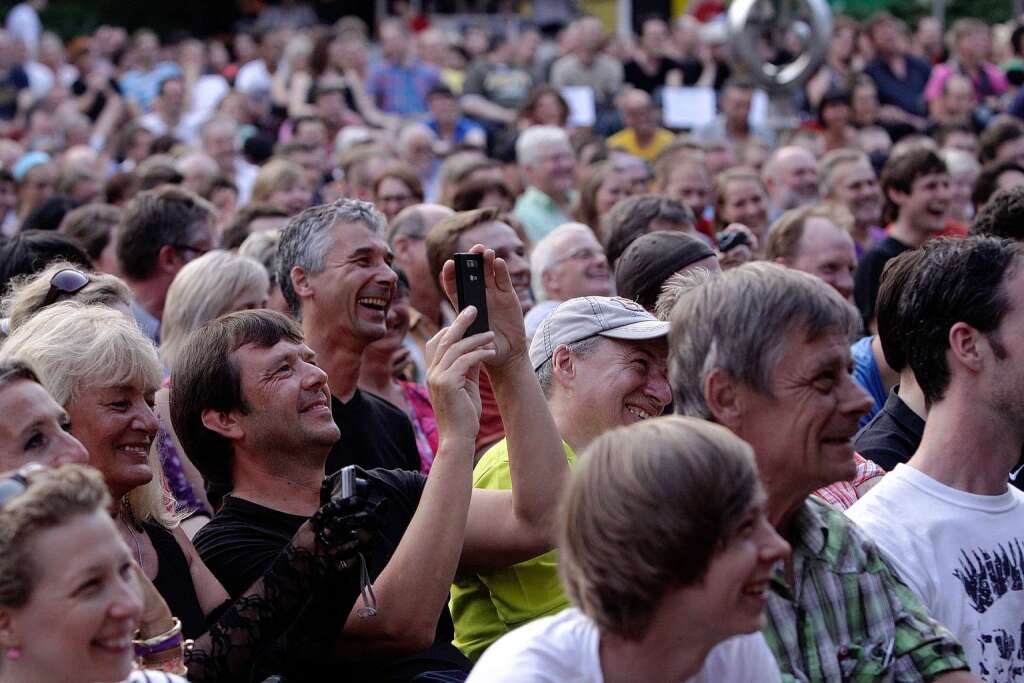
(587, 316)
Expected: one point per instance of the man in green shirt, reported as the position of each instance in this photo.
(764, 351)
(601, 363)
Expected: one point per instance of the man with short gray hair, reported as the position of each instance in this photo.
(567, 263)
(764, 351)
(848, 178)
(547, 163)
(334, 269)
(601, 364)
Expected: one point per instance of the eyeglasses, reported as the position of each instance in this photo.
(581, 254)
(67, 281)
(17, 483)
(199, 251)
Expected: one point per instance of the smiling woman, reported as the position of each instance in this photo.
(97, 364)
(70, 602)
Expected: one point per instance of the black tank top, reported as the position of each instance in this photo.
(174, 581)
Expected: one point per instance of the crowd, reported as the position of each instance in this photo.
(748, 407)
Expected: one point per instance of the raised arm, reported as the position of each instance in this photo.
(508, 527)
(413, 588)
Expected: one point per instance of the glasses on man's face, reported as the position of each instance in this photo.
(581, 254)
(63, 282)
(16, 484)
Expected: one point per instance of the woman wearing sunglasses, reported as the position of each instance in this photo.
(61, 281)
(74, 606)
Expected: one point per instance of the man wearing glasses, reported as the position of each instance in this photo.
(567, 263)
(160, 232)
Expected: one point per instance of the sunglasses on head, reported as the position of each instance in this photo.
(67, 281)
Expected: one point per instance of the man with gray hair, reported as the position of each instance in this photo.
(791, 177)
(764, 351)
(601, 364)
(848, 178)
(334, 270)
(548, 164)
(568, 262)
(407, 238)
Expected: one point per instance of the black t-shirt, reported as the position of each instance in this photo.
(892, 435)
(243, 538)
(869, 275)
(635, 75)
(374, 434)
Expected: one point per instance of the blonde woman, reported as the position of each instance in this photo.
(96, 363)
(284, 183)
(62, 281)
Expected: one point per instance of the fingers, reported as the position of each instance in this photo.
(464, 347)
(437, 344)
(468, 364)
(450, 344)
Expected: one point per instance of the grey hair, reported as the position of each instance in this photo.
(534, 139)
(544, 253)
(677, 285)
(737, 322)
(832, 161)
(581, 349)
(309, 236)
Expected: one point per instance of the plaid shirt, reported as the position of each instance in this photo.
(849, 617)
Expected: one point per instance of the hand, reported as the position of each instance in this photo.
(453, 375)
(739, 255)
(504, 312)
(156, 615)
(342, 528)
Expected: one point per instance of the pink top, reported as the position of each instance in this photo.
(843, 494)
(941, 72)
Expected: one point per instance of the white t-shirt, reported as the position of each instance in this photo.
(963, 554)
(563, 648)
(148, 676)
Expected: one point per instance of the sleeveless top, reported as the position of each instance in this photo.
(174, 581)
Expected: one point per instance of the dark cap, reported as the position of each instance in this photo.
(653, 258)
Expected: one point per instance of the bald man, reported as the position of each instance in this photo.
(406, 237)
(641, 137)
(791, 178)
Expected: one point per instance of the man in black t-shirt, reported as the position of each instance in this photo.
(916, 187)
(252, 410)
(334, 268)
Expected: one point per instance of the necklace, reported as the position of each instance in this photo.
(127, 514)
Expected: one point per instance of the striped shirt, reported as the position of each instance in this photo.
(849, 617)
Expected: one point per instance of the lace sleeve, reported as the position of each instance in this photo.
(320, 559)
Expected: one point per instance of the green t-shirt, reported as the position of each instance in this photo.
(486, 606)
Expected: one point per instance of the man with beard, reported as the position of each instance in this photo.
(947, 518)
(569, 262)
(848, 178)
(791, 177)
(494, 230)
(917, 193)
(764, 351)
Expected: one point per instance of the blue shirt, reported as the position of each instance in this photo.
(463, 127)
(906, 93)
(866, 374)
(539, 213)
(401, 89)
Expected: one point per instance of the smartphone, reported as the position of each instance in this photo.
(469, 284)
(347, 482)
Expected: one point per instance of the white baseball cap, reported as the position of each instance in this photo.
(578, 319)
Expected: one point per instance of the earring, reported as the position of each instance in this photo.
(13, 654)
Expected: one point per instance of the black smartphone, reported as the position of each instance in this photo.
(469, 284)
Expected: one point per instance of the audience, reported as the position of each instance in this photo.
(224, 252)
